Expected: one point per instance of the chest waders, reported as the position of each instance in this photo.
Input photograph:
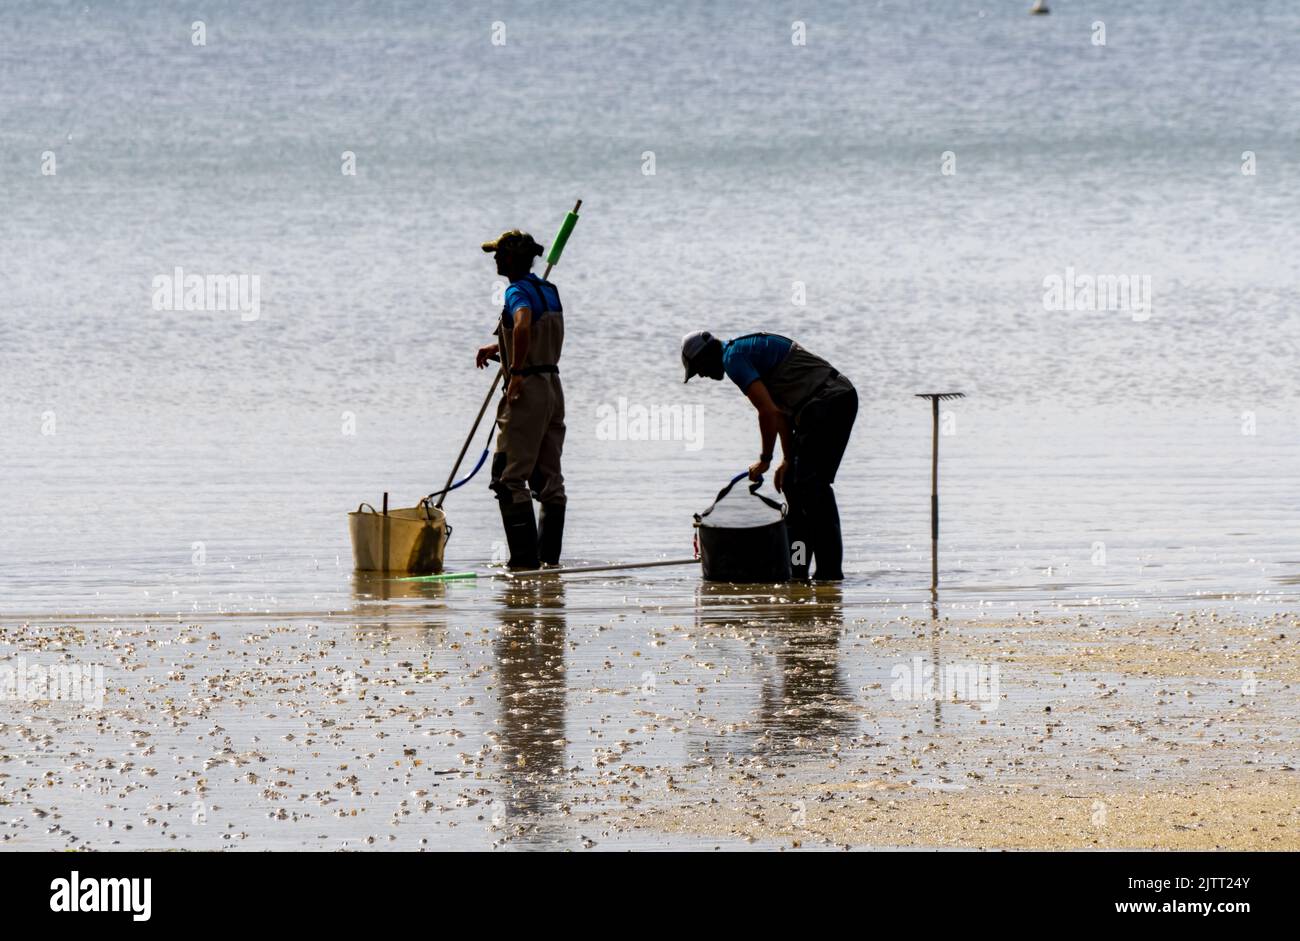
(821, 405)
(530, 439)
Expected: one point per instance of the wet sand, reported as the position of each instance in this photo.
(1240, 816)
(1149, 735)
(639, 712)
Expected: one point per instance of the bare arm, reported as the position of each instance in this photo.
(522, 335)
(771, 423)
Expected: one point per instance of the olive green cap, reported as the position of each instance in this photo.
(514, 242)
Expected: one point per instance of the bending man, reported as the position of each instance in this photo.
(801, 399)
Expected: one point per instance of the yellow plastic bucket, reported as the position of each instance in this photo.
(408, 541)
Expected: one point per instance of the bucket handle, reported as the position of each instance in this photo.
(428, 506)
(426, 503)
(753, 489)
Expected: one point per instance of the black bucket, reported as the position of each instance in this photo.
(759, 552)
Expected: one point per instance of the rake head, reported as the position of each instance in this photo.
(941, 396)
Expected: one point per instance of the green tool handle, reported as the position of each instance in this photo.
(561, 239)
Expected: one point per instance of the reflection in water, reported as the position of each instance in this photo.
(529, 652)
(934, 652)
(802, 694)
(370, 590)
(372, 586)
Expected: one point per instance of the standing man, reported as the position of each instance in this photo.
(530, 416)
(811, 407)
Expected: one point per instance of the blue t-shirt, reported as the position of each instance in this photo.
(753, 356)
(532, 292)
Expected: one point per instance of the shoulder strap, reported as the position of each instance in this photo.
(541, 285)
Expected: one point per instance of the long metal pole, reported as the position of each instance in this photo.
(934, 501)
(470, 437)
(612, 567)
(564, 570)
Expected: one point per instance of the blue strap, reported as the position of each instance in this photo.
(482, 459)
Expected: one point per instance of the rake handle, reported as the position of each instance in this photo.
(474, 428)
(934, 499)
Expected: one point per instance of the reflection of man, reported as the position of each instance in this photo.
(530, 417)
(529, 651)
(802, 691)
(804, 400)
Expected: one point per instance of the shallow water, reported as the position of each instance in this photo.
(140, 441)
(188, 473)
(1110, 505)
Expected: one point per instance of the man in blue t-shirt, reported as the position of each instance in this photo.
(530, 415)
(803, 400)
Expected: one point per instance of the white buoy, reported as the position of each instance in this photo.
(1040, 6)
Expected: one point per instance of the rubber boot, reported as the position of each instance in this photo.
(824, 517)
(550, 533)
(521, 534)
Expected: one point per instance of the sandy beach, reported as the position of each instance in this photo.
(1146, 740)
(786, 720)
